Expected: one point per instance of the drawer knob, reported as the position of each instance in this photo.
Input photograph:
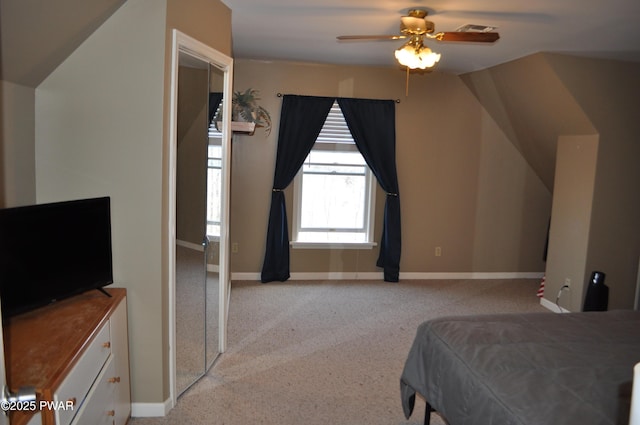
(107, 344)
(114, 380)
(111, 413)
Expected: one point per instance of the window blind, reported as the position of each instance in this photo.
(213, 131)
(335, 129)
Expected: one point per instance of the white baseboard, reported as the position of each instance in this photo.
(245, 276)
(403, 276)
(190, 245)
(149, 410)
(549, 305)
(472, 275)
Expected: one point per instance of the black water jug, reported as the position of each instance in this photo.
(597, 298)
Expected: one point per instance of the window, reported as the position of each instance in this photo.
(214, 181)
(334, 190)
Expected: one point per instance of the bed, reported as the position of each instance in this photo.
(526, 369)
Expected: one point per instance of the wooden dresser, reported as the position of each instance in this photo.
(75, 353)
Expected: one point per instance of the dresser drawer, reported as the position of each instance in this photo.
(78, 382)
(99, 407)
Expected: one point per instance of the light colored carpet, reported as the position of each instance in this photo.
(190, 315)
(330, 352)
(197, 304)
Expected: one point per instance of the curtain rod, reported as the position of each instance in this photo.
(280, 95)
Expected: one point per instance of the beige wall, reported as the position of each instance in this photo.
(17, 164)
(463, 185)
(532, 105)
(208, 21)
(608, 92)
(573, 194)
(541, 98)
(101, 129)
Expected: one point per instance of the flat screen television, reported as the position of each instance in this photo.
(53, 251)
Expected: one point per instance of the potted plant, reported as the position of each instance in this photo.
(245, 107)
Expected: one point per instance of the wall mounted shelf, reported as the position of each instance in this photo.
(241, 126)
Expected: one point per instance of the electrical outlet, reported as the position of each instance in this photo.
(566, 287)
(234, 247)
(438, 251)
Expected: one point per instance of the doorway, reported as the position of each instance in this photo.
(199, 198)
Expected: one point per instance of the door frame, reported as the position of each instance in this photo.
(4, 418)
(184, 43)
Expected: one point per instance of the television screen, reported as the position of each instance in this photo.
(53, 251)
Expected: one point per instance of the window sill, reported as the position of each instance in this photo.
(332, 245)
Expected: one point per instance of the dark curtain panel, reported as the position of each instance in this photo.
(214, 103)
(301, 120)
(372, 125)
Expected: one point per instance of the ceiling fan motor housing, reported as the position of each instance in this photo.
(413, 25)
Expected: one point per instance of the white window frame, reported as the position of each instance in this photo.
(215, 139)
(335, 136)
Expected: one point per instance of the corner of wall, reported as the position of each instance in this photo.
(571, 217)
(17, 145)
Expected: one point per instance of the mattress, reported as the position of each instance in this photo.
(533, 369)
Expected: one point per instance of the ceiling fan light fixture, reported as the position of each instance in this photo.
(414, 54)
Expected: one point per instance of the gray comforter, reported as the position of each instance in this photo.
(533, 369)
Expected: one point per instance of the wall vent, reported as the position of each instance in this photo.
(476, 28)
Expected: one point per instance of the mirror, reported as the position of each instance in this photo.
(199, 153)
(191, 219)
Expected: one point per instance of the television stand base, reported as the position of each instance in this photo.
(104, 292)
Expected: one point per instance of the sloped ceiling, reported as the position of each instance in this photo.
(534, 114)
(37, 35)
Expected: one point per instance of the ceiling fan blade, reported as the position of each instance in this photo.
(474, 37)
(371, 37)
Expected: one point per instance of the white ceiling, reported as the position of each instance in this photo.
(306, 30)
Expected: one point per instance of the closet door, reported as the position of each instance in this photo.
(191, 208)
(214, 211)
(198, 194)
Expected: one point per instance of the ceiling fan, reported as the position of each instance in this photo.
(414, 54)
